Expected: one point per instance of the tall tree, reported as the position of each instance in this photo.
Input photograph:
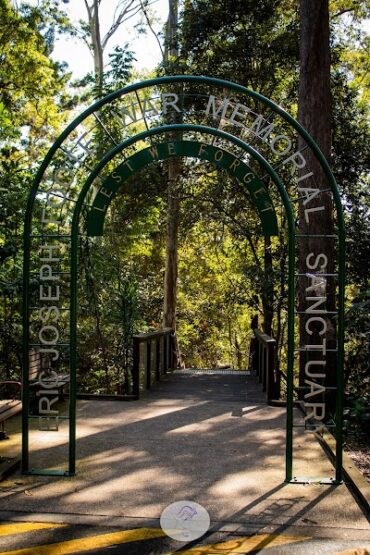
(173, 203)
(314, 113)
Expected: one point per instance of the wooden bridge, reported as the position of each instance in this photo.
(204, 435)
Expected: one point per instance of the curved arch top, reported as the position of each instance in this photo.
(194, 79)
(200, 150)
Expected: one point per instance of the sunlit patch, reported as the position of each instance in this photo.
(199, 427)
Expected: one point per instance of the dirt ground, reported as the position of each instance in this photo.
(359, 451)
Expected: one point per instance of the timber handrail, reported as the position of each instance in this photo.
(159, 357)
(264, 364)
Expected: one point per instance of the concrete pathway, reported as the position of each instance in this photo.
(206, 438)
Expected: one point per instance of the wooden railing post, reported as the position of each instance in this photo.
(162, 352)
(271, 380)
(162, 349)
(157, 358)
(260, 361)
(168, 352)
(148, 364)
(264, 366)
(173, 351)
(136, 368)
(266, 370)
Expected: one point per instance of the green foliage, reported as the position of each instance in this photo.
(358, 348)
(121, 286)
(115, 76)
(28, 78)
(356, 417)
(222, 278)
(351, 161)
(252, 43)
(357, 394)
(31, 93)
(214, 306)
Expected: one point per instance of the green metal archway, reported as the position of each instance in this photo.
(162, 151)
(76, 175)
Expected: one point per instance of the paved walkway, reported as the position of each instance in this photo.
(207, 438)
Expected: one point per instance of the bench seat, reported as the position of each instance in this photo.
(9, 407)
(10, 404)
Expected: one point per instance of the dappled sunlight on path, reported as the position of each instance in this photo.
(207, 438)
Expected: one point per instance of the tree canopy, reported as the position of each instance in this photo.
(227, 273)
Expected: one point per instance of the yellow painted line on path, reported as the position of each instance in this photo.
(22, 527)
(89, 543)
(243, 545)
(355, 551)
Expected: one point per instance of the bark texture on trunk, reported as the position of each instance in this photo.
(170, 279)
(314, 109)
(97, 46)
(173, 203)
(314, 113)
(268, 288)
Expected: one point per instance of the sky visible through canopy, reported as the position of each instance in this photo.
(146, 48)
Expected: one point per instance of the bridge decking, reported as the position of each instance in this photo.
(207, 438)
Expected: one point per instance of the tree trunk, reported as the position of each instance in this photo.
(97, 48)
(171, 48)
(268, 288)
(314, 113)
(173, 203)
(170, 278)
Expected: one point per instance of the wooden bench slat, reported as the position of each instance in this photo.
(11, 411)
(7, 404)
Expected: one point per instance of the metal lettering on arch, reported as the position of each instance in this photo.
(232, 127)
(162, 151)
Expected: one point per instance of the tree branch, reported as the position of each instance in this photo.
(127, 12)
(150, 27)
(342, 12)
(120, 19)
(88, 9)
